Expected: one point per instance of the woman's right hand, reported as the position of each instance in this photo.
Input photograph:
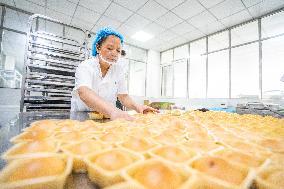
(119, 114)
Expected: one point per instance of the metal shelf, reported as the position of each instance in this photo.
(50, 91)
(50, 68)
(55, 48)
(55, 76)
(54, 39)
(49, 83)
(69, 63)
(53, 54)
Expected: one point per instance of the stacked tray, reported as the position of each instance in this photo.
(50, 64)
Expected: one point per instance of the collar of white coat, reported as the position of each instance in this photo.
(109, 72)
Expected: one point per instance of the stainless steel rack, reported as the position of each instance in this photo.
(50, 64)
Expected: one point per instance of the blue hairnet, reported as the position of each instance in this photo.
(103, 33)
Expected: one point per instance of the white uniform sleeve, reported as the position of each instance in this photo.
(83, 77)
(122, 88)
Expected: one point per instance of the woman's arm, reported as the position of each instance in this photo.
(127, 101)
(95, 102)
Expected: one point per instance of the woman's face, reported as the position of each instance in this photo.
(110, 49)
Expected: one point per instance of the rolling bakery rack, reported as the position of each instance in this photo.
(50, 64)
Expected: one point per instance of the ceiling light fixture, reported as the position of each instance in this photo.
(141, 36)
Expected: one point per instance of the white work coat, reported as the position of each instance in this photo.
(89, 74)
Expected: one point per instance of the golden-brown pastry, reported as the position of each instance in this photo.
(46, 125)
(172, 153)
(41, 172)
(275, 145)
(220, 168)
(247, 147)
(31, 136)
(79, 150)
(155, 174)
(104, 168)
(70, 137)
(31, 149)
(164, 138)
(201, 146)
(270, 178)
(97, 115)
(240, 157)
(139, 145)
(112, 137)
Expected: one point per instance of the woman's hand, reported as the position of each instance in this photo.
(121, 114)
(146, 109)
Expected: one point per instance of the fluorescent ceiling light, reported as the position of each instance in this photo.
(142, 36)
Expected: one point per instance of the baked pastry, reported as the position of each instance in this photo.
(221, 169)
(45, 125)
(138, 145)
(31, 149)
(155, 174)
(41, 172)
(97, 115)
(79, 150)
(70, 137)
(31, 136)
(112, 137)
(270, 178)
(104, 168)
(172, 153)
(201, 146)
(240, 157)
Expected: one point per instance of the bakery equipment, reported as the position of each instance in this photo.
(50, 63)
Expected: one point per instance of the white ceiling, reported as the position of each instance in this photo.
(172, 22)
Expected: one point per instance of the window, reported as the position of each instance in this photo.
(181, 52)
(245, 33)
(137, 76)
(16, 20)
(245, 71)
(272, 65)
(218, 41)
(135, 53)
(12, 62)
(125, 64)
(272, 25)
(167, 57)
(218, 74)
(167, 81)
(197, 70)
(180, 78)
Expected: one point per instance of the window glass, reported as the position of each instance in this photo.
(167, 57)
(273, 67)
(181, 52)
(167, 82)
(245, 71)
(218, 74)
(218, 41)
(16, 20)
(244, 33)
(12, 61)
(272, 25)
(197, 70)
(137, 76)
(180, 78)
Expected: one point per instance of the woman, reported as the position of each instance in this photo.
(100, 80)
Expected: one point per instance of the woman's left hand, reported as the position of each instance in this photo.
(146, 109)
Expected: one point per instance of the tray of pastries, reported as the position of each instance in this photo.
(185, 150)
